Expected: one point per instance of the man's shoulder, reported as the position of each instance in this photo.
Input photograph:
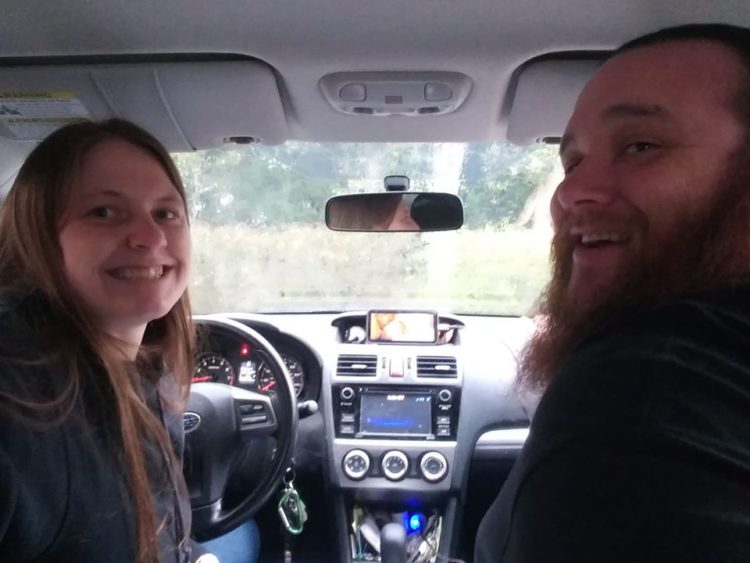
(658, 368)
(719, 319)
(689, 333)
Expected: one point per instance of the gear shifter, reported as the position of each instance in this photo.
(393, 543)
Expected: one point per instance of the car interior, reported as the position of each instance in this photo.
(371, 372)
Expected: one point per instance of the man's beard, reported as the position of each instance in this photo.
(706, 252)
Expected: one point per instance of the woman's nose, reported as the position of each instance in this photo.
(146, 233)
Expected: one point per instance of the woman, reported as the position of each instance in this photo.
(96, 351)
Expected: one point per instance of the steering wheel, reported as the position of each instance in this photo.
(220, 421)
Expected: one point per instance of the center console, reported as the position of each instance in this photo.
(393, 413)
(389, 433)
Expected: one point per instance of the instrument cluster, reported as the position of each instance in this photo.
(249, 369)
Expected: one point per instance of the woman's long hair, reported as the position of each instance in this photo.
(31, 259)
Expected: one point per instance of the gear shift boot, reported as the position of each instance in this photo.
(393, 543)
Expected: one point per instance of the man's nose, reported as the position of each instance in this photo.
(591, 182)
(146, 233)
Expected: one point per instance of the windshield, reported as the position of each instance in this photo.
(260, 243)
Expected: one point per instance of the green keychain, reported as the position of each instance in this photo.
(292, 510)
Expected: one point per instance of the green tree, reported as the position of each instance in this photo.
(498, 179)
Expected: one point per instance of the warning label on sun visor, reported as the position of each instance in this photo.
(31, 116)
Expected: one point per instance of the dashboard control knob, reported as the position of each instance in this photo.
(356, 464)
(433, 466)
(347, 393)
(445, 395)
(395, 465)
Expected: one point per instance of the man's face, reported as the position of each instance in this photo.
(650, 204)
(650, 138)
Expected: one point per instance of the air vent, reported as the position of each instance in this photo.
(356, 365)
(436, 366)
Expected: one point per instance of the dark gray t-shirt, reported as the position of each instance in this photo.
(640, 448)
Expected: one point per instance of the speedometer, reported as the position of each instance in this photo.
(215, 368)
(267, 380)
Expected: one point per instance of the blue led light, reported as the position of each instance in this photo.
(414, 522)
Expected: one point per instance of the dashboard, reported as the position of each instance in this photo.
(313, 346)
(420, 410)
(252, 372)
(223, 358)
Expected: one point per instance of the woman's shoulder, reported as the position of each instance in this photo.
(21, 317)
(26, 361)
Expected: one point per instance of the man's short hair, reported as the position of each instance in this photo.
(734, 37)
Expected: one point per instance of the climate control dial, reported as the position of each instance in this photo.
(433, 466)
(395, 465)
(356, 464)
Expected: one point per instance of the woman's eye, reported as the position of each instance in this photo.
(102, 212)
(166, 214)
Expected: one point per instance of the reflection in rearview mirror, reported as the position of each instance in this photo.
(395, 211)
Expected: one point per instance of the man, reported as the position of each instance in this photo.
(640, 447)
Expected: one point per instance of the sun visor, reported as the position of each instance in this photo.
(185, 105)
(544, 97)
(11, 156)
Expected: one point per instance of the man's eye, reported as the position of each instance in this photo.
(568, 167)
(640, 146)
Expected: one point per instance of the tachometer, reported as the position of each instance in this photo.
(213, 367)
(267, 381)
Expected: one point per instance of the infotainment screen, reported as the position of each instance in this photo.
(405, 413)
(402, 326)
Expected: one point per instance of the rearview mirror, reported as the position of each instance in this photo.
(395, 211)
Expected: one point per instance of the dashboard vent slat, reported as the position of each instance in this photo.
(436, 366)
(355, 365)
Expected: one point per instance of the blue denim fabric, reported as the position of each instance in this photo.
(241, 545)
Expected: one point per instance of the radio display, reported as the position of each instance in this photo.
(402, 326)
(401, 414)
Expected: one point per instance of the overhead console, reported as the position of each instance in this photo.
(396, 93)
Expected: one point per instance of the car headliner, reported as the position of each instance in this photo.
(488, 40)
